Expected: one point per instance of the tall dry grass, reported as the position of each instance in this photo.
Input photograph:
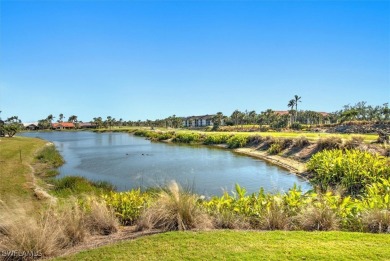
(175, 209)
(376, 221)
(318, 217)
(58, 226)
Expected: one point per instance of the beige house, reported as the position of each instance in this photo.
(198, 121)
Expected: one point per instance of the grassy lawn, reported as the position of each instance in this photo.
(313, 136)
(14, 171)
(246, 245)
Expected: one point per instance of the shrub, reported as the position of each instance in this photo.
(274, 217)
(318, 216)
(296, 126)
(237, 141)
(255, 139)
(354, 142)
(275, 148)
(187, 137)
(376, 220)
(129, 205)
(99, 217)
(300, 142)
(174, 210)
(351, 169)
(329, 143)
(216, 139)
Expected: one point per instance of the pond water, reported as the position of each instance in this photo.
(129, 162)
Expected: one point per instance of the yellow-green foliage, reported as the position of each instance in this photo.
(186, 137)
(217, 138)
(237, 141)
(352, 169)
(129, 205)
(275, 148)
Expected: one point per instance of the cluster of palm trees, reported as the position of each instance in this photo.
(109, 122)
(294, 102)
(363, 112)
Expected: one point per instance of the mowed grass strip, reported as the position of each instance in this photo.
(16, 154)
(312, 136)
(245, 245)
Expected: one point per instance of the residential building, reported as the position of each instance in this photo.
(199, 121)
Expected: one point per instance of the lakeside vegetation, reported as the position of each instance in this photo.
(353, 203)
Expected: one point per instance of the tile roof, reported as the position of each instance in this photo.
(63, 124)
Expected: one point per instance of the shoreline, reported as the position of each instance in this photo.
(293, 166)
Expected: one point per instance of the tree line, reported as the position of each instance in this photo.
(291, 118)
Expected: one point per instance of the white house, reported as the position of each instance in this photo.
(198, 121)
(31, 125)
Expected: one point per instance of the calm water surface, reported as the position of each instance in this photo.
(128, 162)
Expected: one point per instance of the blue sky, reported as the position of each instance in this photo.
(149, 60)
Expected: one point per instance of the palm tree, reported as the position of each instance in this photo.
(61, 118)
(297, 99)
(252, 117)
(109, 121)
(217, 120)
(236, 116)
(291, 105)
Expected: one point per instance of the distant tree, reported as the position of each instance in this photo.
(217, 121)
(108, 122)
(235, 116)
(98, 122)
(252, 117)
(50, 119)
(61, 118)
(44, 124)
(385, 111)
(12, 126)
(291, 105)
(297, 99)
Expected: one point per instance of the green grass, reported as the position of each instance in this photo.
(312, 136)
(245, 245)
(15, 155)
(77, 186)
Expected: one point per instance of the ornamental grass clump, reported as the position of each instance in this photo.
(175, 209)
(300, 142)
(329, 143)
(22, 232)
(99, 217)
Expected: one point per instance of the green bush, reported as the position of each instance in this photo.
(216, 139)
(275, 148)
(129, 205)
(237, 141)
(351, 169)
(188, 138)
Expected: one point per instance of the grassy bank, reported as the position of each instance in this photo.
(16, 156)
(245, 245)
